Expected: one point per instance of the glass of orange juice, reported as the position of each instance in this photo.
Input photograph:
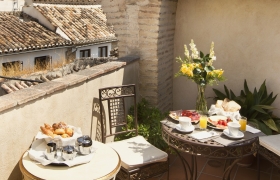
(243, 123)
(203, 122)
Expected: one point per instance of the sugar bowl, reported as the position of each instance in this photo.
(84, 144)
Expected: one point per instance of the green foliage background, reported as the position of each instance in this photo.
(256, 105)
(149, 125)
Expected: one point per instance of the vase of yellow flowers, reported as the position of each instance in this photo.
(199, 68)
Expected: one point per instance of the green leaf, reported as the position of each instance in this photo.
(201, 54)
(219, 94)
(209, 68)
(246, 89)
(226, 91)
(271, 124)
(196, 71)
(259, 109)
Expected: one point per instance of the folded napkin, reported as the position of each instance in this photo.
(36, 152)
(203, 135)
(168, 123)
(252, 130)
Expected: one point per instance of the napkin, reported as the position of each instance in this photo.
(168, 123)
(36, 152)
(201, 135)
(252, 130)
(220, 111)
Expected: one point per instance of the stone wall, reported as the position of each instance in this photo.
(72, 99)
(146, 28)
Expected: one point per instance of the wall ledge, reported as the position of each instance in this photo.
(34, 92)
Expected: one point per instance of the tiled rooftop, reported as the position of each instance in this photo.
(17, 35)
(82, 24)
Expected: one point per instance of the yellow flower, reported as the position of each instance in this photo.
(218, 72)
(187, 70)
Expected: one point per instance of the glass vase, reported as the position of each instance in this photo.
(201, 103)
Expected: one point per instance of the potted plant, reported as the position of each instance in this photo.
(256, 106)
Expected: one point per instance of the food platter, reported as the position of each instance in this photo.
(218, 122)
(185, 113)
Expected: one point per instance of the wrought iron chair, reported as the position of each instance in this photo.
(140, 159)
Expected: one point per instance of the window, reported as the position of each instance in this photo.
(10, 68)
(85, 53)
(42, 62)
(102, 51)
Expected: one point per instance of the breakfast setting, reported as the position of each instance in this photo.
(222, 123)
(61, 144)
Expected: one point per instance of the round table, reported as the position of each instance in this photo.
(104, 165)
(210, 149)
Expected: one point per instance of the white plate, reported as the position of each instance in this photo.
(178, 127)
(239, 135)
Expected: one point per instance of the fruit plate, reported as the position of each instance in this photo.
(186, 113)
(218, 122)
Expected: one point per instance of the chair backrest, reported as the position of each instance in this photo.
(117, 97)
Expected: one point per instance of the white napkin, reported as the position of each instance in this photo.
(220, 111)
(168, 123)
(36, 152)
(252, 130)
(201, 135)
(64, 141)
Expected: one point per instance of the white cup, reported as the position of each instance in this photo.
(233, 128)
(185, 123)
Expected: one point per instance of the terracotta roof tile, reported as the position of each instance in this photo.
(82, 24)
(17, 35)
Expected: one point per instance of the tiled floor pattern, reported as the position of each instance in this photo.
(209, 169)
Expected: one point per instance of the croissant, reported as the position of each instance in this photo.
(47, 131)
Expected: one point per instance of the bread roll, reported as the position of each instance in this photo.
(219, 104)
(65, 136)
(231, 106)
(59, 131)
(69, 131)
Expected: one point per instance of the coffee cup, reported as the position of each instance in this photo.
(233, 128)
(185, 123)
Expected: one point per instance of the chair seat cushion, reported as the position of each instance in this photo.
(136, 152)
(271, 143)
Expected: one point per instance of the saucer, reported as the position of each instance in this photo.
(239, 135)
(178, 127)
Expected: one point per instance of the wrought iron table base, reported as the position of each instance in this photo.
(192, 168)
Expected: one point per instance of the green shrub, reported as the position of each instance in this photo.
(256, 106)
(149, 125)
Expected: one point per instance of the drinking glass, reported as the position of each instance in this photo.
(243, 123)
(203, 122)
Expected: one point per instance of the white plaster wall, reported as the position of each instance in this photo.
(247, 41)
(10, 5)
(58, 55)
(74, 105)
(93, 49)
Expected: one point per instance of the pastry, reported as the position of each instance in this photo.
(69, 131)
(59, 131)
(47, 131)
